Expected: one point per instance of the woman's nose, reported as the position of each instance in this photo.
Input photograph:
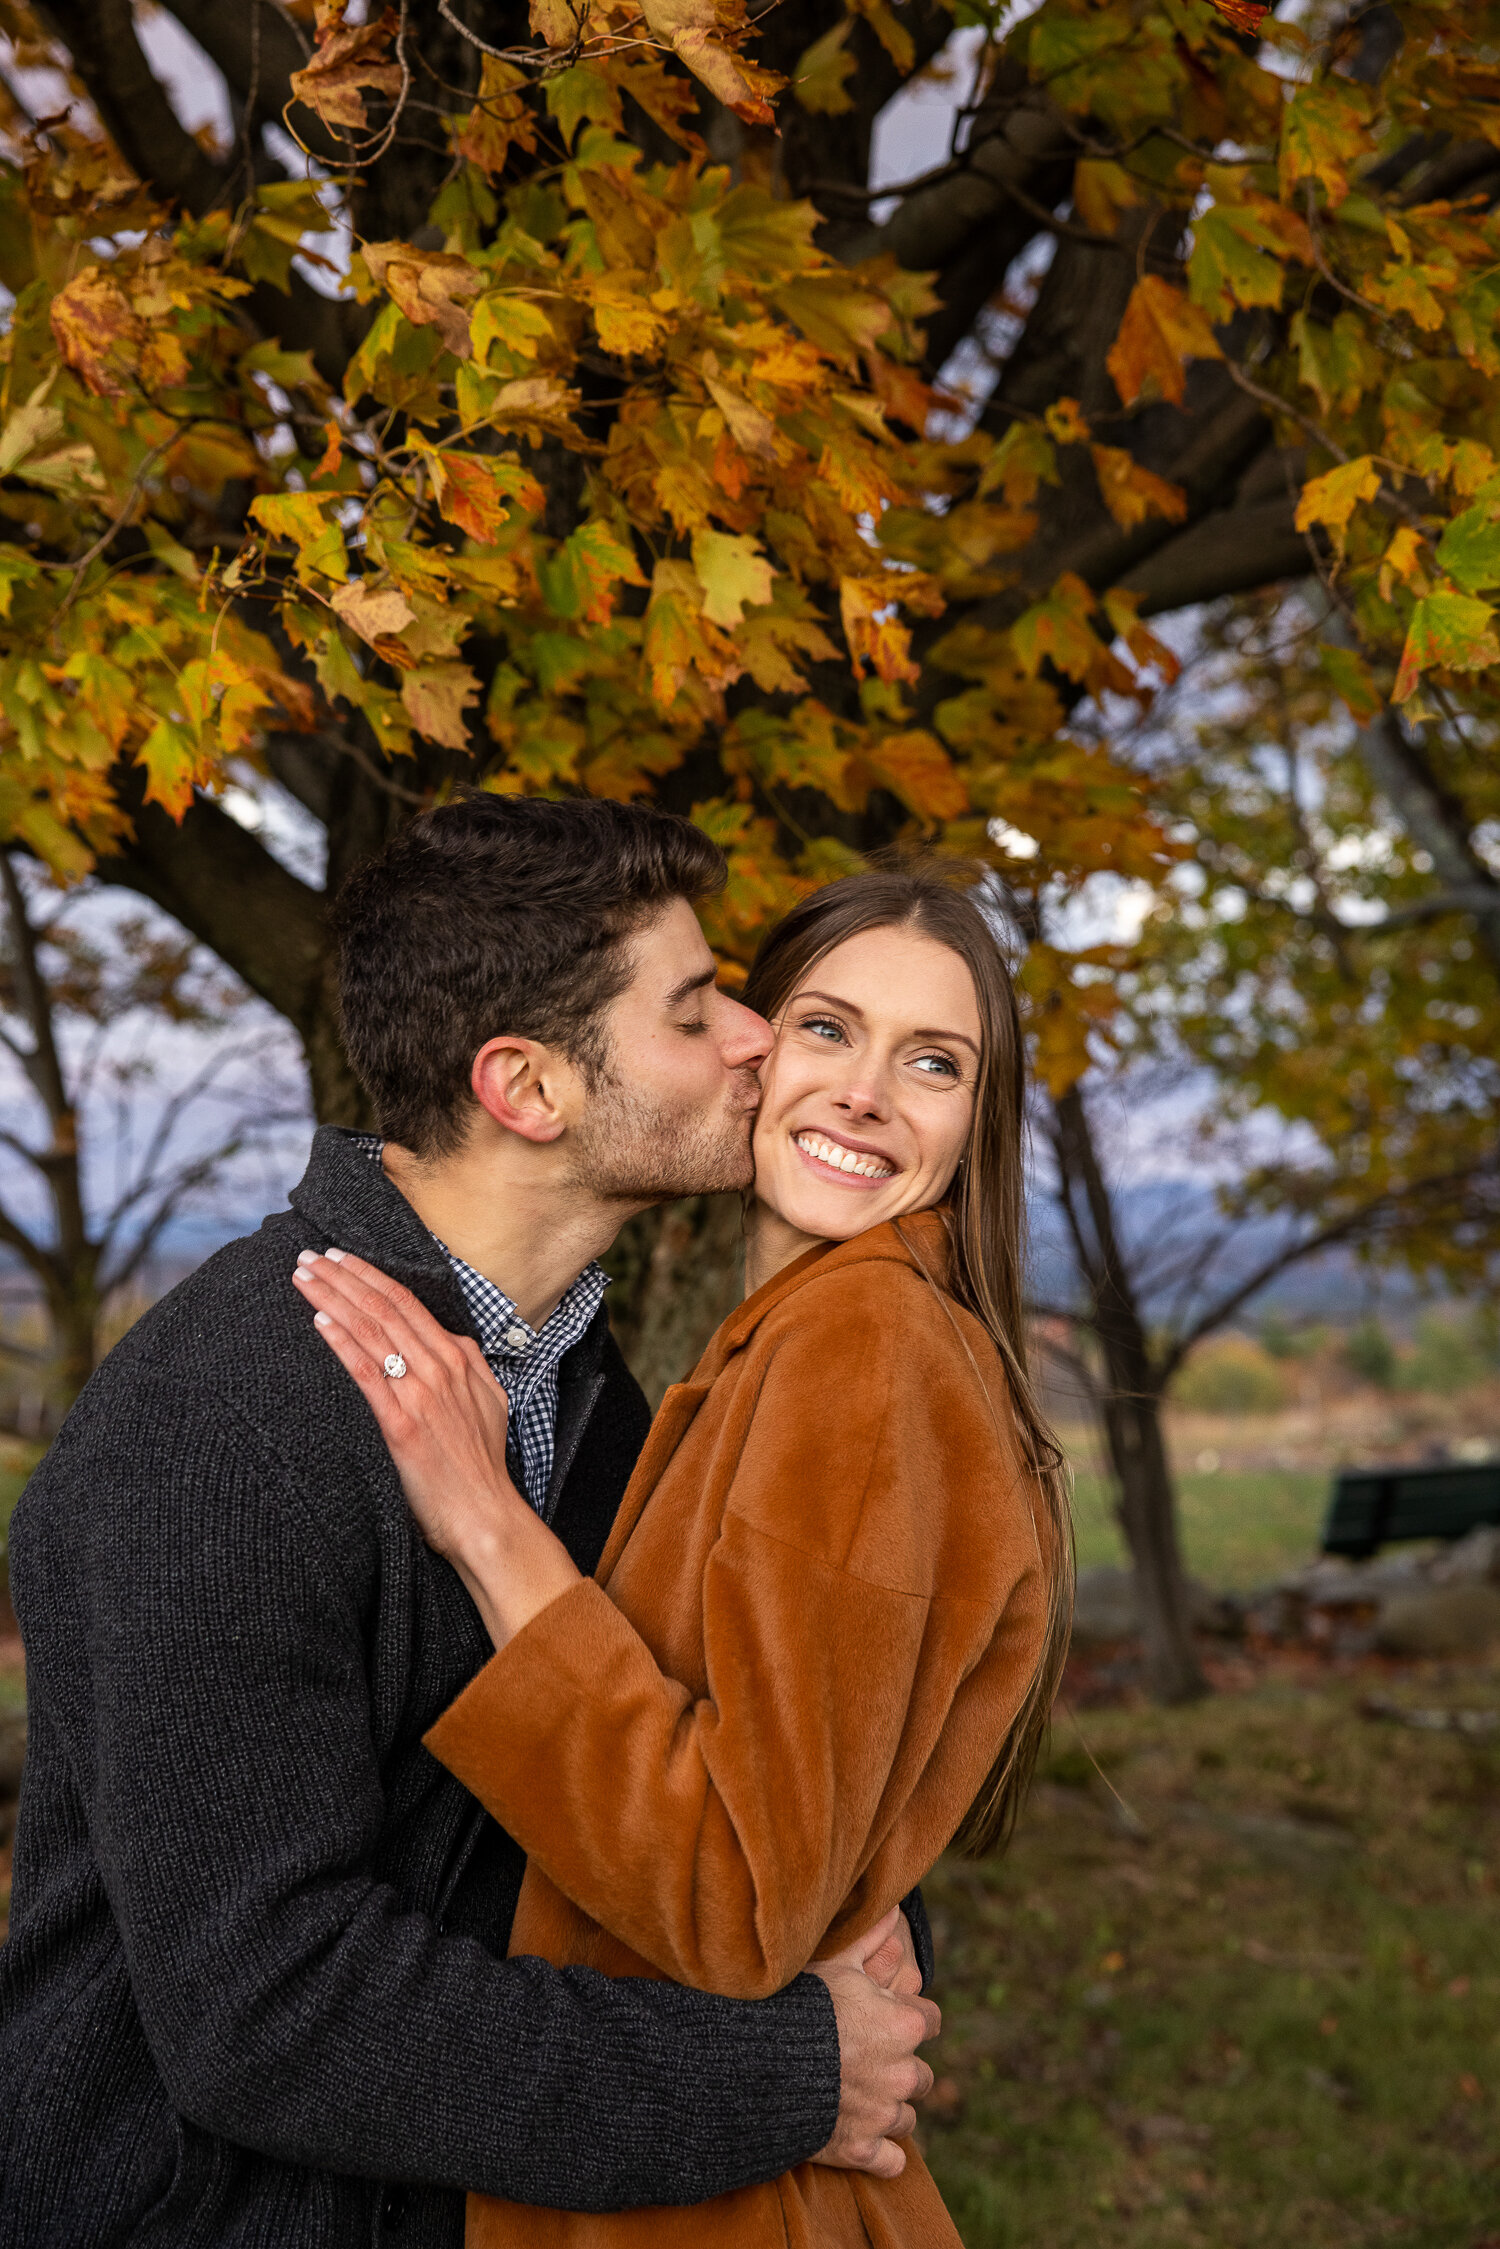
(865, 1094)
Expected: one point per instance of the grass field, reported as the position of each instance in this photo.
(1266, 2018)
(1239, 1527)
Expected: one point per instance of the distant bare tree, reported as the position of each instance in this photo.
(117, 1149)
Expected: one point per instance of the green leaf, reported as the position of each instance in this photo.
(1469, 550)
(578, 93)
(1449, 632)
(1349, 676)
(1234, 261)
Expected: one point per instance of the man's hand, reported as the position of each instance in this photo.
(880, 2030)
(893, 1965)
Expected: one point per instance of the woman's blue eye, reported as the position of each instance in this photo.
(824, 1023)
(942, 1061)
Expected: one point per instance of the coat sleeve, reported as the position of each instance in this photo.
(292, 2001)
(720, 1837)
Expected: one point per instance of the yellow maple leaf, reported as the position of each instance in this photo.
(1332, 498)
(430, 286)
(733, 571)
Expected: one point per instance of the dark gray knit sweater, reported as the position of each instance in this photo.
(255, 1992)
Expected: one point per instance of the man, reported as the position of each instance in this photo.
(255, 1991)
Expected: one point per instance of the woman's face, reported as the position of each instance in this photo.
(867, 1096)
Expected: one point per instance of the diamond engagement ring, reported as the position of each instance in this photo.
(395, 1366)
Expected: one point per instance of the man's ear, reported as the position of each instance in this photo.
(524, 1086)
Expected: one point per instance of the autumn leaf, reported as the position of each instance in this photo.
(1448, 632)
(580, 578)
(1400, 562)
(732, 570)
(499, 120)
(1161, 329)
(820, 78)
(867, 607)
(1242, 15)
(1324, 133)
(349, 61)
(1332, 498)
(436, 697)
(1131, 493)
(430, 286)
(1349, 676)
(1024, 459)
(625, 320)
(1058, 630)
(474, 490)
(917, 769)
(724, 76)
(1102, 192)
(97, 331)
(1469, 549)
(374, 616)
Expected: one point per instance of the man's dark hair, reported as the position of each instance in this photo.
(498, 914)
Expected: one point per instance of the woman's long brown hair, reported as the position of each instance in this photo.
(986, 1218)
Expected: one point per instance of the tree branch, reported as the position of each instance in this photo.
(132, 104)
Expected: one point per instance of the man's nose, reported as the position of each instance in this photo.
(747, 1038)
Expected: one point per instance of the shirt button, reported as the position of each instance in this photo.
(517, 1339)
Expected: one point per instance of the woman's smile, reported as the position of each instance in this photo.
(851, 1163)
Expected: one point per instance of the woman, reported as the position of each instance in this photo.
(827, 1628)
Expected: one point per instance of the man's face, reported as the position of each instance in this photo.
(674, 1114)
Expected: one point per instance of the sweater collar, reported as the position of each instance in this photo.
(919, 1240)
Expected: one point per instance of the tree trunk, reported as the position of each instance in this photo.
(676, 1272)
(1147, 1504)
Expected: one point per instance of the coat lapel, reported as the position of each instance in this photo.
(673, 1418)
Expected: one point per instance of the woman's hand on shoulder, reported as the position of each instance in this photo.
(443, 1416)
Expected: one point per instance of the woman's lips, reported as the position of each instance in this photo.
(832, 1160)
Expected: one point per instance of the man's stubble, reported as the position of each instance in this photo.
(628, 1148)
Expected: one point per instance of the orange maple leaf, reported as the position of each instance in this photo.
(1242, 15)
(346, 58)
(1161, 330)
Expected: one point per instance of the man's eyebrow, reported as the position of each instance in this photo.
(679, 992)
(955, 1038)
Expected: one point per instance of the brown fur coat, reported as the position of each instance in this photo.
(816, 1617)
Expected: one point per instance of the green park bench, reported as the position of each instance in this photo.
(1371, 1507)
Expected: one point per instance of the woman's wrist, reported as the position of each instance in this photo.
(513, 1569)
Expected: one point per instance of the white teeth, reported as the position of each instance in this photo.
(843, 1159)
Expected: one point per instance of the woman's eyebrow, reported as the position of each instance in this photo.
(831, 999)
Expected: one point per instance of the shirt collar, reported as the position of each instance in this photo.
(501, 1330)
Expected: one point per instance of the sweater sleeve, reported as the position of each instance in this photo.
(292, 2001)
(721, 1836)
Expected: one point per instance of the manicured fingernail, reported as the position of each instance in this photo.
(336, 1254)
(307, 1257)
(300, 1276)
(321, 1320)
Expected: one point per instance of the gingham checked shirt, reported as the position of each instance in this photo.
(524, 1360)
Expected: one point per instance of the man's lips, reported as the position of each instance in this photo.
(850, 1163)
